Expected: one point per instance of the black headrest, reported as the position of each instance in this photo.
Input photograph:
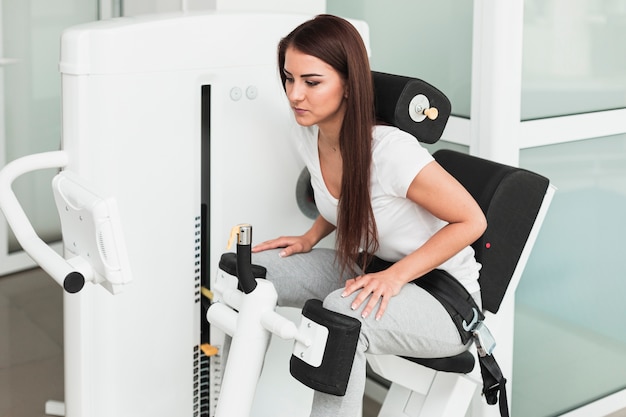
(408, 104)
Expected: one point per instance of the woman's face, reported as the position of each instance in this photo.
(315, 90)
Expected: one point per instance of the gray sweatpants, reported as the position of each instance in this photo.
(414, 324)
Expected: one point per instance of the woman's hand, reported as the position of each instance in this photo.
(298, 244)
(291, 245)
(380, 286)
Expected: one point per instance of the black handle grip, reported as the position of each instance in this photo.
(244, 268)
(74, 282)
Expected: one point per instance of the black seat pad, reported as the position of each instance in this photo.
(462, 363)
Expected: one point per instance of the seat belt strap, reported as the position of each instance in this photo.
(494, 383)
(459, 303)
(462, 309)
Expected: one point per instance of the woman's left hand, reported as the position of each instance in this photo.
(376, 287)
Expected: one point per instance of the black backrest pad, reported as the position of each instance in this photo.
(393, 94)
(510, 198)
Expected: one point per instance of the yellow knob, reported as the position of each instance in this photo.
(431, 113)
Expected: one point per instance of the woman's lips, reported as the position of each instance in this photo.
(299, 111)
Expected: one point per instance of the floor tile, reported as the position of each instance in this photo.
(24, 389)
(31, 343)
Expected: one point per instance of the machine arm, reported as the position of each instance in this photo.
(71, 277)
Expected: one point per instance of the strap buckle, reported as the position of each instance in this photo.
(470, 327)
(485, 342)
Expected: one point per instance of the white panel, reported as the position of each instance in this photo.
(140, 7)
(285, 6)
(571, 128)
(496, 79)
(141, 154)
(132, 124)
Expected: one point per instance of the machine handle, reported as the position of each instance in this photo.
(243, 233)
(50, 261)
(244, 259)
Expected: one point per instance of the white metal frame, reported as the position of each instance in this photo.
(251, 320)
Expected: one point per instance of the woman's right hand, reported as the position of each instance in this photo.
(298, 244)
(290, 245)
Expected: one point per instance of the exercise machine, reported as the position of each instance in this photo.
(156, 113)
(514, 201)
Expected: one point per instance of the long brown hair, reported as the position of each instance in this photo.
(336, 42)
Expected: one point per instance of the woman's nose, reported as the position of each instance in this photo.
(295, 93)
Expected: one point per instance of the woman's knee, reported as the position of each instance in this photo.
(338, 304)
(266, 258)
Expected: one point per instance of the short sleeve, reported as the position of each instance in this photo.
(397, 158)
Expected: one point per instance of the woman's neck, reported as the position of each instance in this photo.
(328, 141)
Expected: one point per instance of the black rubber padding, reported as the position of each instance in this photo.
(74, 282)
(333, 373)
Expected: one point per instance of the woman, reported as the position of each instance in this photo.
(384, 195)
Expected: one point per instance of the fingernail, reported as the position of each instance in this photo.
(343, 294)
(364, 315)
(282, 254)
(353, 306)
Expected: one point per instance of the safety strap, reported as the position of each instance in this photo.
(494, 383)
(467, 316)
(461, 306)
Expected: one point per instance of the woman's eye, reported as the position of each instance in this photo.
(288, 79)
(312, 83)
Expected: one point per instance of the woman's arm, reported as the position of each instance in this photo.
(299, 244)
(442, 195)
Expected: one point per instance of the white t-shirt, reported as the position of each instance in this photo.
(403, 226)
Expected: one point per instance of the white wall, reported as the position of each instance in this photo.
(136, 7)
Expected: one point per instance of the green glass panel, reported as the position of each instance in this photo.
(431, 41)
(570, 343)
(31, 31)
(574, 58)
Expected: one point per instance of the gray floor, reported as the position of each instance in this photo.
(31, 354)
(31, 344)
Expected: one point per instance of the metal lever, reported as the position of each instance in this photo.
(432, 113)
(419, 109)
(243, 233)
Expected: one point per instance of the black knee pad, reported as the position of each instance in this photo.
(332, 374)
